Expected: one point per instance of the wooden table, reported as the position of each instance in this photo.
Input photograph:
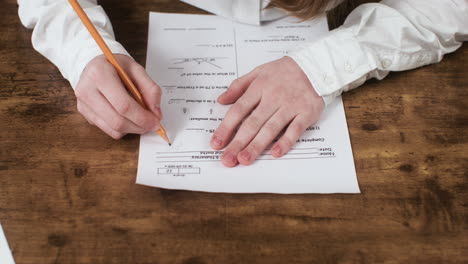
(68, 192)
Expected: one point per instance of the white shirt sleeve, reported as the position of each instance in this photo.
(252, 12)
(61, 37)
(393, 35)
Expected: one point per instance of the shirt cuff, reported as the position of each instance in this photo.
(333, 63)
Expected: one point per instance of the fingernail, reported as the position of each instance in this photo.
(228, 157)
(276, 151)
(245, 155)
(217, 141)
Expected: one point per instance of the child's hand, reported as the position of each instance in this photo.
(103, 100)
(272, 97)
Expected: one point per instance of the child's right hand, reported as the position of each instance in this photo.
(104, 101)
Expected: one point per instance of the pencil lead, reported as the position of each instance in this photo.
(170, 144)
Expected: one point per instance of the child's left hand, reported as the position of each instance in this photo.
(272, 97)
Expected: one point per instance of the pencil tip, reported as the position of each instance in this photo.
(170, 144)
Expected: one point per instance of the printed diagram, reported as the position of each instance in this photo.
(199, 61)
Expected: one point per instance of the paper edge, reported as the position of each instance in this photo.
(8, 258)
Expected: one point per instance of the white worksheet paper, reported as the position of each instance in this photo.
(5, 253)
(194, 58)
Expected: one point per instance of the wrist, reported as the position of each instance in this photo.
(86, 56)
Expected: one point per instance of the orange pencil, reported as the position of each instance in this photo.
(110, 57)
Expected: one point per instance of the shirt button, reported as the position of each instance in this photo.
(349, 68)
(386, 63)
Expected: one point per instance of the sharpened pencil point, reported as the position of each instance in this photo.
(170, 144)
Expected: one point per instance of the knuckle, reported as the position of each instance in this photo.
(251, 123)
(116, 135)
(272, 126)
(240, 106)
(297, 129)
(236, 108)
(228, 125)
(287, 142)
(123, 107)
(255, 149)
(118, 124)
(232, 115)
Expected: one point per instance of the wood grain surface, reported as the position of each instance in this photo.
(68, 192)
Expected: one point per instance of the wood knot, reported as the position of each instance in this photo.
(406, 168)
(194, 260)
(57, 240)
(80, 171)
(369, 127)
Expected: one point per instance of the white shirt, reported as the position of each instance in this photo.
(393, 35)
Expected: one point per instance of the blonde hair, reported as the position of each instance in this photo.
(303, 9)
(306, 9)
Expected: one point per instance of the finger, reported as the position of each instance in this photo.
(237, 88)
(265, 136)
(234, 117)
(150, 91)
(103, 109)
(94, 119)
(247, 131)
(292, 134)
(114, 91)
